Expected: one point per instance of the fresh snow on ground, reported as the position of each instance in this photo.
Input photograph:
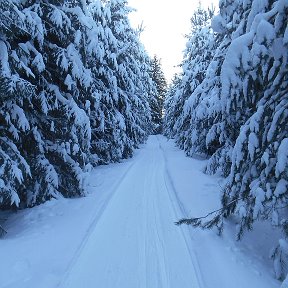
(123, 235)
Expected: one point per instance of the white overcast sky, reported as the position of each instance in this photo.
(165, 22)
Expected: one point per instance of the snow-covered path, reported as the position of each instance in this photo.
(122, 234)
(135, 242)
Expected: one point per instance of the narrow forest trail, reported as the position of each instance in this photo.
(135, 242)
(122, 234)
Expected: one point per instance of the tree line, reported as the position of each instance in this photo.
(230, 104)
(76, 90)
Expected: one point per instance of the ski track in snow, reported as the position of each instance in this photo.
(123, 235)
(132, 241)
(94, 221)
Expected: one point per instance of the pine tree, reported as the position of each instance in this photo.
(251, 130)
(20, 30)
(169, 107)
(258, 100)
(191, 104)
(54, 130)
(84, 81)
(64, 126)
(200, 126)
(15, 92)
(199, 51)
(133, 69)
(107, 130)
(157, 102)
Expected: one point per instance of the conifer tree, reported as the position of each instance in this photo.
(74, 86)
(21, 63)
(56, 136)
(258, 101)
(64, 124)
(199, 51)
(106, 121)
(157, 102)
(251, 129)
(169, 107)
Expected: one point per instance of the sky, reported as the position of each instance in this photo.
(166, 22)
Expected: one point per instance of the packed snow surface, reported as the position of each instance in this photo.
(123, 235)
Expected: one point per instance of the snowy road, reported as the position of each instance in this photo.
(135, 242)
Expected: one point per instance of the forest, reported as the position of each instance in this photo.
(230, 104)
(77, 87)
(79, 90)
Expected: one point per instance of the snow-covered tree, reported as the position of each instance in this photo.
(157, 102)
(20, 33)
(107, 130)
(48, 130)
(199, 51)
(258, 86)
(191, 119)
(74, 90)
(14, 90)
(251, 129)
(132, 77)
(119, 111)
(64, 126)
(169, 107)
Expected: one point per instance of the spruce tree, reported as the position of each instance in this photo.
(55, 140)
(75, 85)
(64, 125)
(199, 51)
(258, 100)
(169, 107)
(21, 147)
(131, 74)
(251, 127)
(157, 102)
(106, 121)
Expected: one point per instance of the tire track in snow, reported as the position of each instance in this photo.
(161, 252)
(157, 227)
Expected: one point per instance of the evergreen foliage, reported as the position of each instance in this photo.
(169, 106)
(200, 48)
(74, 88)
(157, 102)
(238, 115)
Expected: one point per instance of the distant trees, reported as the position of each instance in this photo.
(157, 102)
(74, 92)
(170, 106)
(237, 115)
(200, 48)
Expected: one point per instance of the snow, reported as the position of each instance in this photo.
(14, 198)
(2, 183)
(218, 24)
(17, 114)
(281, 187)
(285, 283)
(253, 144)
(69, 82)
(123, 234)
(17, 173)
(5, 70)
(282, 157)
(56, 17)
(259, 199)
(39, 63)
